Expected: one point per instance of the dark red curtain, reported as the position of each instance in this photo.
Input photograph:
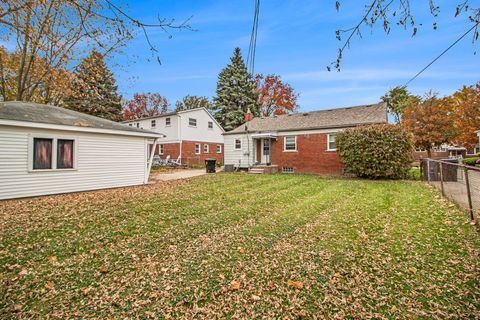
(42, 153)
(64, 154)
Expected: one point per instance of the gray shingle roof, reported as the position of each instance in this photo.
(42, 113)
(322, 119)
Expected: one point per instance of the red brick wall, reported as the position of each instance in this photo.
(172, 149)
(189, 157)
(311, 155)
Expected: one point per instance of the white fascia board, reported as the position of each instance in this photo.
(38, 125)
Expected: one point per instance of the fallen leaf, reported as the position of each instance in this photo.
(49, 285)
(302, 313)
(17, 307)
(255, 298)
(296, 284)
(234, 285)
(52, 259)
(412, 269)
(86, 291)
(23, 273)
(103, 269)
(241, 249)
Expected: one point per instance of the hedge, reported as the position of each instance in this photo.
(470, 161)
(376, 152)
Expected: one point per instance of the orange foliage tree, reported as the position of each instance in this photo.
(466, 106)
(144, 105)
(430, 121)
(275, 97)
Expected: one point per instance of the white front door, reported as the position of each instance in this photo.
(266, 146)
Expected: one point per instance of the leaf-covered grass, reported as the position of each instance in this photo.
(240, 246)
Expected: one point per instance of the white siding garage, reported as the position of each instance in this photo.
(94, 155)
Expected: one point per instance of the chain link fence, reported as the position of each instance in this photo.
(458, 182)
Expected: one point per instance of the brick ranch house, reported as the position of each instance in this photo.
(300, 142)
(193, 135)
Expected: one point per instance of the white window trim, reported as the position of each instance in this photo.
(235, 144)
(285, 144)
(199, 148)
(191, 125)
(219, 148)
(208, 148)
(160, 148)
(54, 152)
(208, 125)
(153, 123)
(169, 120)
(328, 142)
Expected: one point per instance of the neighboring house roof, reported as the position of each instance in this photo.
(322, 119)
(173, 113)
(29, 114)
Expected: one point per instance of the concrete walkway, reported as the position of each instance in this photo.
(176, 175)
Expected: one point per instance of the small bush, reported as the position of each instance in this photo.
(378, 151)
(470, 161)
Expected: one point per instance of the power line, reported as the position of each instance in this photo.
(253, 39)
(441, 54)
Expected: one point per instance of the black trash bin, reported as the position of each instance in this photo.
(210, 165)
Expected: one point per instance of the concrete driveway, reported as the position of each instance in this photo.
(176, 175)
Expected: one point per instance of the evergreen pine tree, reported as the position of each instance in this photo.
(94, 90)
(235, 93)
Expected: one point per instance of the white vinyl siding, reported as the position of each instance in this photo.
(239, 157)
(331, 146)
(103, 161)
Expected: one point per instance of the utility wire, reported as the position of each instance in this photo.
(441, 54)
(253, 39)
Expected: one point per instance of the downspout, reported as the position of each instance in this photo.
(180, 137)
(150, 160)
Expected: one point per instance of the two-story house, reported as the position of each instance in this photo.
(193, 135)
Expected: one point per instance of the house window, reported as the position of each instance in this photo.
(210, 125)
(192, 122)
(130, 124)
(238, 144)
(52, 153)
(65, 154)
(42, 153)
(219, 148)
(290, 143)
(167, 122)
(331, 142)
(197, 148)
(160, 149)
(205, 148)
(153, 123)
(138, 124)
(287, 170)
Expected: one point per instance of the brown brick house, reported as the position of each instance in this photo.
(300, 142)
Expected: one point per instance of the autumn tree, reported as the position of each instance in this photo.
(430, 122)
(144, 105)
(50, 35)
(398, 99)
(193, 102)
(465, 104)
(94, 90)
(275, 97)
(235, 93)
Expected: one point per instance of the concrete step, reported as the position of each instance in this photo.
(256, 171)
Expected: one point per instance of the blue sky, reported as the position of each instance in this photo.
(296, 39)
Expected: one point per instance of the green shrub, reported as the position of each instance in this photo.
(377, 151)
(470, 161)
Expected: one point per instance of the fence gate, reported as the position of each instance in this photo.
(458, 182)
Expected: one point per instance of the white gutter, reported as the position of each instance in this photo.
(39, 125)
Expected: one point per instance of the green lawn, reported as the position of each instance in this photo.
(241, 246)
